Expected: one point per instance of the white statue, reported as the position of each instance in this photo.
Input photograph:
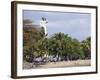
(43, 23)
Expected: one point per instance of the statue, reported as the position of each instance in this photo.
(43, 23)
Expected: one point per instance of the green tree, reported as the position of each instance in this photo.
(86, 46)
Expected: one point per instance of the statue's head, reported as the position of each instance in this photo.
(43, 18)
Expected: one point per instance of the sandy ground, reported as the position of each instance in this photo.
(76, 63)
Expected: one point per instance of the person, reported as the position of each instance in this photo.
(43, 23)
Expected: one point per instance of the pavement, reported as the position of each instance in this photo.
(76, 63)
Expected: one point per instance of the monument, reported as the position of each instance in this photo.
(43, 23)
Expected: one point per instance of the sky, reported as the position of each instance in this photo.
(76, 25)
